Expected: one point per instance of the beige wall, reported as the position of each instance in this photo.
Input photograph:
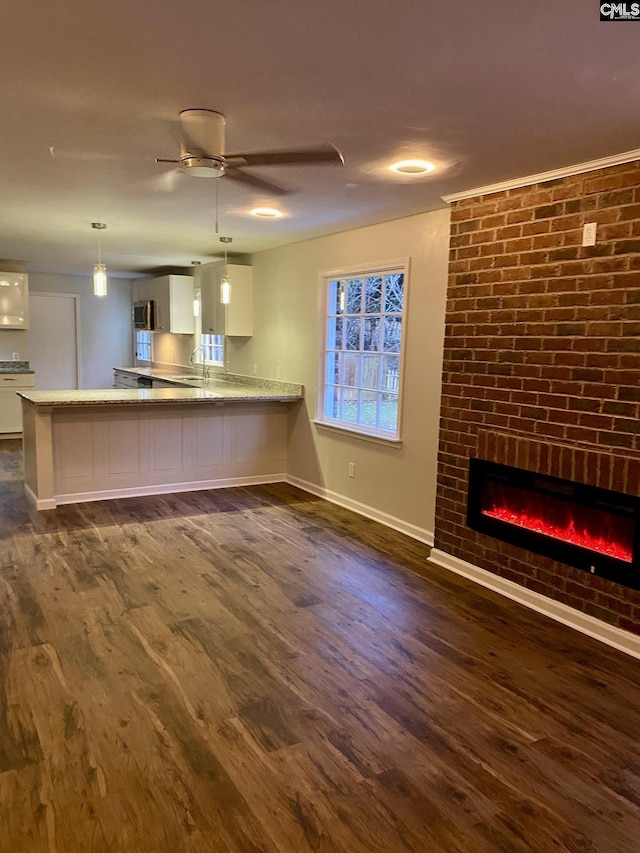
(396, 484)
(172, 349)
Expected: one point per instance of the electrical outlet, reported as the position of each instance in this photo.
(352, 469)
(277, 373)
(255, 369)
(16, 356)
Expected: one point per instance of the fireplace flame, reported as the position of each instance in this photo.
(565, 532)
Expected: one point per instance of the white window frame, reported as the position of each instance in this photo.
(402, 266)
(143, 340)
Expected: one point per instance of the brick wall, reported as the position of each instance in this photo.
(542, 362)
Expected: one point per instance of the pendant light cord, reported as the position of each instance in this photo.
(217, 191)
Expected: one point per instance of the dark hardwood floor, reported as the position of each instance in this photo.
(256, 670)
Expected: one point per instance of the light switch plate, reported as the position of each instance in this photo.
(589, 234)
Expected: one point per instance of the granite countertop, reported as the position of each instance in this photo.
(15, 367)
(225, 388)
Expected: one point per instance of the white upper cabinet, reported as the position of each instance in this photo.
(173, 295)
(14, 300)
(235, 318)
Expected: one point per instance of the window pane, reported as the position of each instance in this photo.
(394, 292)
(370, 371)
(389, 412)
(332, 372)
(368, 408)
(336, 297)
(353, 327)
(354, 296)
(371, 336)
(392, 332)
(373, 295)
(350, 405)
(334, 333)
(351, 370)
(332, 402)
(390, 373)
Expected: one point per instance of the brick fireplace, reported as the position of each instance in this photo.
(542, 364)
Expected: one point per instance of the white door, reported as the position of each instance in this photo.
(53, 340)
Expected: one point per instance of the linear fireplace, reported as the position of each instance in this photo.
(593, 529)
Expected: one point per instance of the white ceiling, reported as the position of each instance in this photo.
(488, 90)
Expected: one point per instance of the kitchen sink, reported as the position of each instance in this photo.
(186, 377)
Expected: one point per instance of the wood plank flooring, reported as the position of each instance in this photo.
(258, 671)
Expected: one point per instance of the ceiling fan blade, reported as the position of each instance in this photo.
(304, 156)
(160, 160)
(86, 156)
(249, 180)
(166, 182)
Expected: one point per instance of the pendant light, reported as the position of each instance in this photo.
(225, 284)
(99, 269)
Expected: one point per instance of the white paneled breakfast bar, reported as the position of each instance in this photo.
(98, 444)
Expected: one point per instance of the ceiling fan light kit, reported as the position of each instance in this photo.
(202, 144)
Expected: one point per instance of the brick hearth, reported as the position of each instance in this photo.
(542, 362)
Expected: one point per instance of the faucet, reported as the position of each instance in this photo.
(204, 363)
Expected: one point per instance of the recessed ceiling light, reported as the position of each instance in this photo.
(412, 167)
(266, 212)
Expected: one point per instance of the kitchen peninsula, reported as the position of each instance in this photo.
(97, 444)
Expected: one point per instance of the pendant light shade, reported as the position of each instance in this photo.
(99, 269)
(99, 280)
(225, 284)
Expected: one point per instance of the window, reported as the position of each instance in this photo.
(143, 347)
(362, 355)
(213, 346)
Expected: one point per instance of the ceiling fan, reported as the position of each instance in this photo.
(202, 143)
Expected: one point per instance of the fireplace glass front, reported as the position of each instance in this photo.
(593, 529)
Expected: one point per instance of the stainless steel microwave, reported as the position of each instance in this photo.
(145, 315)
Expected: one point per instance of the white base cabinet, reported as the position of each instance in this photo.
(86, 453)
(10, 403)
(121, 379)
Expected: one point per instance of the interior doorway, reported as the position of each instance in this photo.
(54, 340)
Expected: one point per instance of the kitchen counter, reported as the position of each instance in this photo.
(90, 445)
(123, 396)
(231, 389)
(15, 367)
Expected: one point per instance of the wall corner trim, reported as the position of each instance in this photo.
(553, 174)
(623, 641)
(412, 530)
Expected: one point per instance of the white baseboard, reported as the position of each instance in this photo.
(412, 530)
(39, 503)
(164, 489)
(624, 641)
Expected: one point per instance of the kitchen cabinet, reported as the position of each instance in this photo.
(236, 318)
(173, 295)
(10, 403)
(121, 379)
(14, 300)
